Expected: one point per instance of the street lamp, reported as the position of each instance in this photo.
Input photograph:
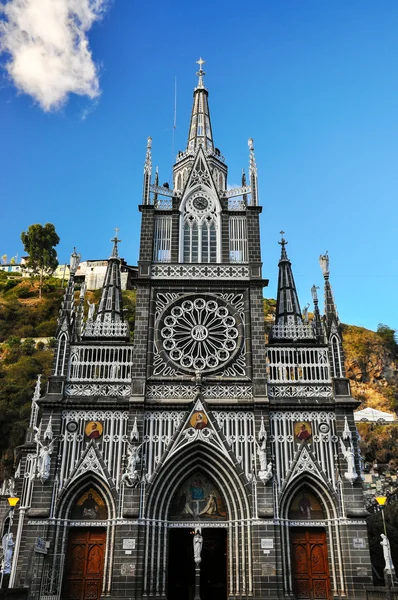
(381, 500)
(12, 501)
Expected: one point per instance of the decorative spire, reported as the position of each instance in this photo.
(347, 435)
(147, 173)
(317, 324)
(109, 322)
(288, 319)
(287, 306)
(34, 412)
(48, 434)
(244, 185)
(67, 313)
(78, 328)
(200, 133)
(253, 173)
(331, 316)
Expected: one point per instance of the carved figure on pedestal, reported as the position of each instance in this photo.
(8, 548)
(197, 546)
(44, 450)
(130, 476)
(349, 456)
(91, 310)
(385, 543)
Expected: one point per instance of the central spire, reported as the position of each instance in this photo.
(200, 133)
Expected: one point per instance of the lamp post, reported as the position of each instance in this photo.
(12, 501)
(381, 500)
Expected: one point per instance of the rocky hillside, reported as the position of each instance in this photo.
(371, 363)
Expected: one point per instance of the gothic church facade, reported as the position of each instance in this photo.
(197, 425)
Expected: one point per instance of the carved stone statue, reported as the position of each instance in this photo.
(267, 474)
(130, 476)
(91, 310)
(197, 546)
(8, 548)
(262, 456)
(349, 456)
(44, 451)
(389, 567)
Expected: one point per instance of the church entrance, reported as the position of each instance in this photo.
(310, 564)
(84, 564)
(213, 568)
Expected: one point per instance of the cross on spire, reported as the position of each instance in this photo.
(283, 243)
(115, 241)
(200, 73)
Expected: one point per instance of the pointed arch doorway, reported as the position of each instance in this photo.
(309, 550)
(213, 568)
(85, 554)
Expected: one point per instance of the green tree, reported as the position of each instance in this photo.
(39, 242)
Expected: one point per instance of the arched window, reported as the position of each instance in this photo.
(336, 357)
(61, 355)
(221, 182)
(179, 182)
(200, 235)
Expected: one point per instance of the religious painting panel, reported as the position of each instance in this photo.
(198, 420)
(305, 506)
(90, 506)
(93, 430)
(198, 497)
(303, 431)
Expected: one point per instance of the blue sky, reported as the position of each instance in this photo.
(314, 83)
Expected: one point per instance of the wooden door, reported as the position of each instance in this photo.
(310, 564)
(84, 564)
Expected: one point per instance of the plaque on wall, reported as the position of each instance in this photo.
(362, 572)
(267, 543)
(127, 569)
(359, 542)
(268, 569)
(129, 544)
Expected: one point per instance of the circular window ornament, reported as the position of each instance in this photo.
(200, 333)
(324, 428)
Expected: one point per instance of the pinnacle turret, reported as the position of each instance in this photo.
(289, 322)
(109, 322)
(200, 133)
(287, 306)
(331, 316)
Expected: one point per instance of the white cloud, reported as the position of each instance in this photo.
(49, 54)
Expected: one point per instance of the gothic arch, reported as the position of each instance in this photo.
(336, 356)
(200, 230)
(71, 494)
(329, 501)
(168, 477)
(60, 359)
(63, 512)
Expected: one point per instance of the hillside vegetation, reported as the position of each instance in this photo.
(371, 363)
(23, 319)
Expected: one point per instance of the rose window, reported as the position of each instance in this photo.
(200, 334)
